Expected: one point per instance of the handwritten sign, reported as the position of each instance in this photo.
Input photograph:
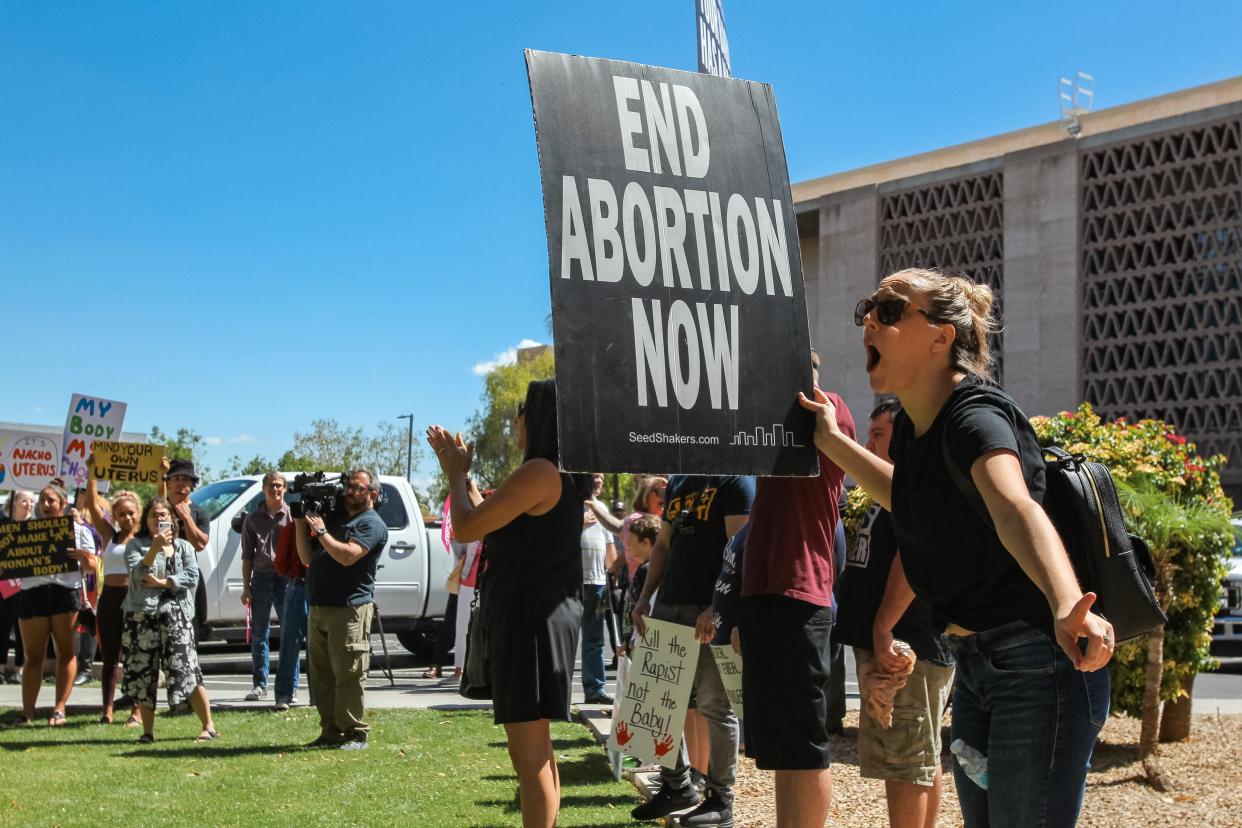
(729, 664)
(89, 419)
(652, 714)
(28, 460)
(128, 463)
(37, 547)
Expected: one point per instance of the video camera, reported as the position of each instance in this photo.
(320, 494)
(317, 494)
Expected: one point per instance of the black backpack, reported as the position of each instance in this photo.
(1080, 499)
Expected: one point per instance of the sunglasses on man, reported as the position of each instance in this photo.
(888, 311)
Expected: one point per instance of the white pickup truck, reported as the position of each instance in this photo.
(409, 590)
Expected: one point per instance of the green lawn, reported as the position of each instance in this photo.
(424, 767)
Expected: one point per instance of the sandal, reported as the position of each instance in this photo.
(56, 719)
(106, 718)
(432, 673)
(146, 738)
(208, 735)
(134, 720)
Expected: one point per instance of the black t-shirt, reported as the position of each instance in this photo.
(697, 507)
(200, 520)
(868, 559)
(726, 602)
(953, 558)
(329, 584)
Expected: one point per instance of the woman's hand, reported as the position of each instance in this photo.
(825, 414)
(1080, 623)
(156, 583)
(454, 453)
(639, 616)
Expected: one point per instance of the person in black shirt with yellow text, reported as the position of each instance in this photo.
(700, 515)
(1031, 692)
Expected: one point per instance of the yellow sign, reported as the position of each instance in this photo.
(128, 463)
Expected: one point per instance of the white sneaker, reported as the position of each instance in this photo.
(257, 694)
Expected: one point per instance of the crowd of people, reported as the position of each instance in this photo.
(937, 599)
(931, 594)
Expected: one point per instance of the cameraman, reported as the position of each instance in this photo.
(342, 558)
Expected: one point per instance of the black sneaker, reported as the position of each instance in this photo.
(714, 811)
(599, 698)
(324, 741)
(667, 801)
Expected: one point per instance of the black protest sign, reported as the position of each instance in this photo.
(678, 308)
(37, 547)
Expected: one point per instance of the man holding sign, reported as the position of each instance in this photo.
(700, 515)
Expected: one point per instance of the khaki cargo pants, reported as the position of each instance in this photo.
(338, 643)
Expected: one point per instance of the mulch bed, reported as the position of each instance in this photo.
(1205, 773)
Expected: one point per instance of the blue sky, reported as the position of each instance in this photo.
(237, 217)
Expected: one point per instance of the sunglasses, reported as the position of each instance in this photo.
(887, 311)
(521, 409)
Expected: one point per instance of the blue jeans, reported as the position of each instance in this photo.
(292, 636)
(1018, 700)
(594, 606)
(266, 589)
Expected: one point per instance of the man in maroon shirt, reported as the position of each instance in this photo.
(786, 619)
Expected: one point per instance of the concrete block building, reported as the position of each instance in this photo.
(1116, 256)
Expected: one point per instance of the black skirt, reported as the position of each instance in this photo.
(534, 642)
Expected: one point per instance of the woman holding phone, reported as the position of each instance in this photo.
(159, 611)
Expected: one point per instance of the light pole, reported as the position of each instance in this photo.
(409, 445)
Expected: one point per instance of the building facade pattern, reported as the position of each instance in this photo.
(956, 226)
(1161, 282)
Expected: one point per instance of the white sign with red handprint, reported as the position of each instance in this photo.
(651, 706)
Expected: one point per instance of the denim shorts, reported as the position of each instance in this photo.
(1019, 700)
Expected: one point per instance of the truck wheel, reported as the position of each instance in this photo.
(201, 631)
(421, 641)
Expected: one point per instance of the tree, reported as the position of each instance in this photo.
(186, 445)
(332, 447)
(492, 428)
(1170, 529)
(1173, 499)
(255, 465)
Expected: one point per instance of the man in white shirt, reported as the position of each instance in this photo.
(598, 553)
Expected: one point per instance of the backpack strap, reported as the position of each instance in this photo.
(964, 484)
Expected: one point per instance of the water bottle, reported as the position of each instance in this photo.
(972, 761)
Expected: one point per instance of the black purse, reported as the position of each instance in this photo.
(476, 676)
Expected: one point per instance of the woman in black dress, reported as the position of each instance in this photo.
(529, 594)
